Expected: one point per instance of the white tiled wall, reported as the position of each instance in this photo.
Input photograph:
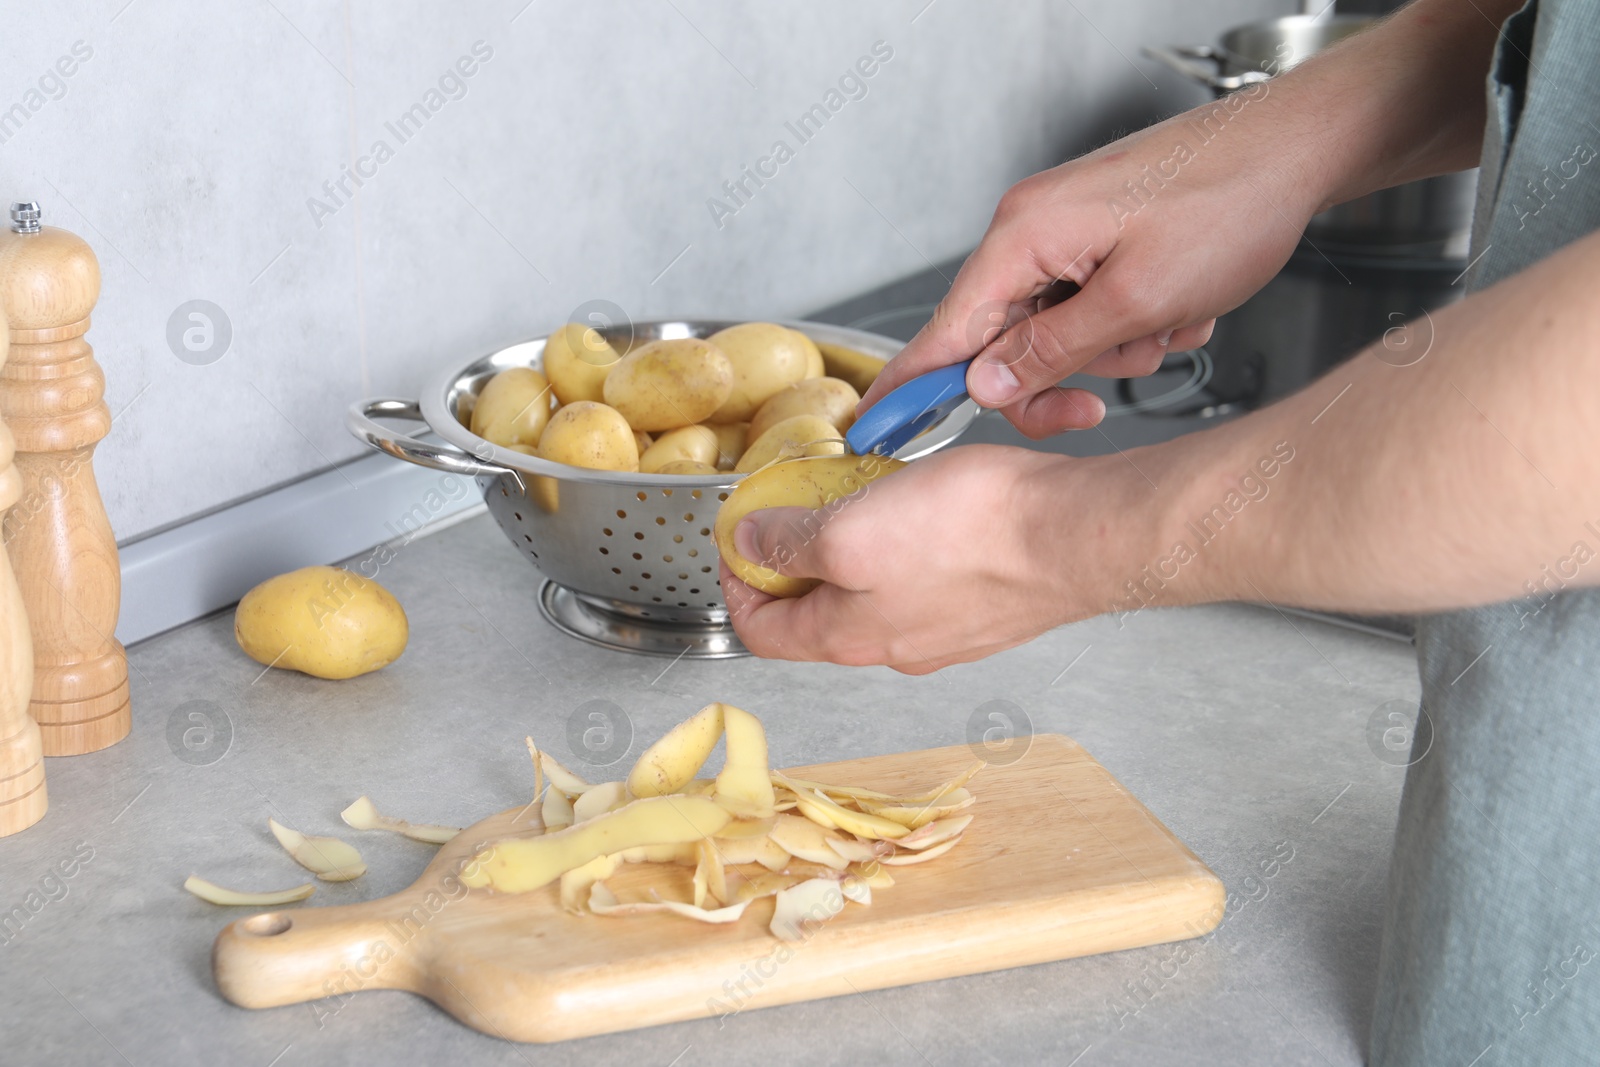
(574, 163)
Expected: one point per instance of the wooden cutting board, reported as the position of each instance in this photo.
(1060, 861)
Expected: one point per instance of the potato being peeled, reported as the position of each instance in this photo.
(323, 621)
(827, 483)
(587, 434)
(667, 384)
(513, 408)
(831, 398)
(801, 435)
(766, 357)
(577, 360)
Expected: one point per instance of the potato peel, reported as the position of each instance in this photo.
(673, 761)
(934, 833)
(560, 777)
(556, 811)
(212, 893)
(364, 815)
(328, 858)
(599, 799)
(906, 859)
(813, 901)
(602, 901)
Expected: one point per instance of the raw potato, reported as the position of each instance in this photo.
(732, 439)
(587, 434)
(688, 466)
(523, 863)
(807, 483)
(829, 398)
(323, 621)
(212, 893)
(642, 441)
(577, 360)
(363, 815)
(513, 408)
(695, 444)
(667, 384)
(765, 358)
(800, 435)
(327, 857)
(857, 368)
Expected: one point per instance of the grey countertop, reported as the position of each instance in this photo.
(1246, 732)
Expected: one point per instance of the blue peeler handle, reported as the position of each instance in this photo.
(892, 422)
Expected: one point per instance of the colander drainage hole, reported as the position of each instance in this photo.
(705, 570)
(705, 531)
(604, 551)
(673, 589)
(606, 530)
(694, 592)
(693, 552)
(518, 514)
(722, 496)
(645, 575)
(660, 521)
(528, 539)
(633, 589)
(695, 493)
(616, 570)
(677, 539)
(637, 536)
(641, 496)
(666, 559)
(683, 577)
(637, 556)
(621, 514)
(655, 600)
(666, 492)
(688, 516)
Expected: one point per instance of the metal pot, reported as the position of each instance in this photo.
(1431, 217)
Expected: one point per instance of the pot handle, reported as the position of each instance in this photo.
(360, 416)
(1189, 61)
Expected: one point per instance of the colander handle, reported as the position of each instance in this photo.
(361, 416)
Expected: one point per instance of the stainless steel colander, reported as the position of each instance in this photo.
(629, 558)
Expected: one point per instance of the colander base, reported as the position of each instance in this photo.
(578, 617)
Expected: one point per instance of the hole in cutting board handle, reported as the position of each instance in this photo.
(270, 925)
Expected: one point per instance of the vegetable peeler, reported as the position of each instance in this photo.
(892, 422)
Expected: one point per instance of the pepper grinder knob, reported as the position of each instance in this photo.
(25, 216)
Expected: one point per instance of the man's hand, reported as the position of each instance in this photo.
(948, 560)
(1166, 229)
(1161, 232)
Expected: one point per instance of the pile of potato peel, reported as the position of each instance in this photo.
(749, 833)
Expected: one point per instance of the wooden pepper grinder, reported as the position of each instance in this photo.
(52, 395)
(22, 794)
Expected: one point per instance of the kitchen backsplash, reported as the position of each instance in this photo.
(299, 203)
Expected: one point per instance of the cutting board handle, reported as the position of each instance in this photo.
(292, 956)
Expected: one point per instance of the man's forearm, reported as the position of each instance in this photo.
(1402, 101)
(1446, 466)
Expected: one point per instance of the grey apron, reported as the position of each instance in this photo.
(1491, 933)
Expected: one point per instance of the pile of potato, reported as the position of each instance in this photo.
(733, 401)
